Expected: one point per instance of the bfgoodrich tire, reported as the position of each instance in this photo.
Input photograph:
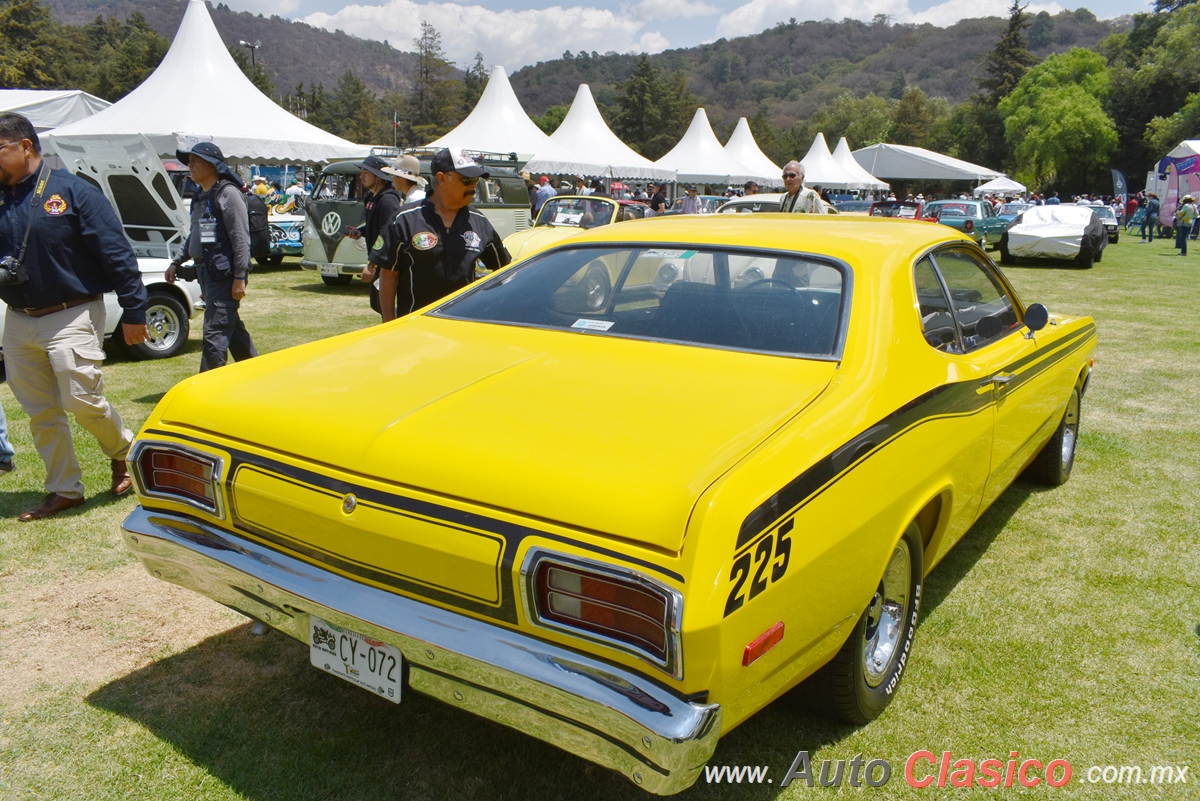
(1052, 466)
(861, 680)
(168, 324)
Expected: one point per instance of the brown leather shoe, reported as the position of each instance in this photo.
(122, 482)
(51, 505)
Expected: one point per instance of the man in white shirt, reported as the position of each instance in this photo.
(797, 199)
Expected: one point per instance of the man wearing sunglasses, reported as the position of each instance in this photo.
(430, 250)
(797, 199)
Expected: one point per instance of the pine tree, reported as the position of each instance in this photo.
(1009, 59)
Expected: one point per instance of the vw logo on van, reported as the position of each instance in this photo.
(331, 223)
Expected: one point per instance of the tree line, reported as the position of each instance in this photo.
(1057, 123)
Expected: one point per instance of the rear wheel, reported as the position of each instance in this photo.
(168, 325)
(861, 680)
(1085, 259)
(336, 280)
(1053, 464)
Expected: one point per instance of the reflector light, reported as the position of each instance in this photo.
(171, 473)
(610, 606)
(765, 642)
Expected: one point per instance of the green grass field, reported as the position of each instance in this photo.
(1066, 625)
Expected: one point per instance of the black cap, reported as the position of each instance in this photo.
(213, 155)
(205, 150)
(457, 161)
(375, 165)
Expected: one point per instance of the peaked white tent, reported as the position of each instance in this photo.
(199, 94)
(583, 130)
(50, 108)
(498, 124)
(845, 160)
(821, 170)
(903, 162)
(1002, 186)
(745, 150)
(700, 157)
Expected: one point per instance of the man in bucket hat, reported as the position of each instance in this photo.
(220, 244)
(430, 249)
(381, 202)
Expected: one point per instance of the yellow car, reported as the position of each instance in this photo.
(532, 526)
(566, 215)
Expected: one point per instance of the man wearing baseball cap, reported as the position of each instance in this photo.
(545, 192)
(430, 250)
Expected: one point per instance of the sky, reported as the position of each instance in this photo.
(516, 33)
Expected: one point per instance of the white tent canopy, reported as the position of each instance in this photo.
(821, 170)
(845, 160)
(906, 163)
(50, 108)
(700, 157)
(498, 124)
(198, 94)
(999, 186)
(583, 130)
(1188, 147)
(745, 150)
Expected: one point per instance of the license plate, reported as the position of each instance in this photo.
(330, 270)
(370, 664)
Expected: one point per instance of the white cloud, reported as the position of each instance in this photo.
(509, 38)
(672, 9)
(952, 11)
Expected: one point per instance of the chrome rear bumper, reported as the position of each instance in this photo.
(601, 712)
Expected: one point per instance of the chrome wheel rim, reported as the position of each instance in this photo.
(594, 291)
(886, 616)
(1070, 431)
(163, 326)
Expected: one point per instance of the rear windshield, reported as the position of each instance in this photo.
(737, 299)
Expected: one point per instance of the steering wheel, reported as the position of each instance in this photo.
(768, 281)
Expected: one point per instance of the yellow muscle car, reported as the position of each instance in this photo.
(530, 525)
(565, 215)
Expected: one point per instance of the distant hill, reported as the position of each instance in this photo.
(291, 52)
(794, 68)
(790, 70)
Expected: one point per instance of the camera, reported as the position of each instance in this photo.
(12, 271)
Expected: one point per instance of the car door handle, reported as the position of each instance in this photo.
(999, 379)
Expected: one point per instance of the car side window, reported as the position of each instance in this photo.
(979, 301)
(937, 322)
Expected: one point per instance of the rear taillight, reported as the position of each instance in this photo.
(616, 606)
(969, 226)
(176, 474)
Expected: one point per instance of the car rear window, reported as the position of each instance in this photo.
(783, 303)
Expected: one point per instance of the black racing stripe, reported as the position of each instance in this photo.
(948, 400)
(511, 533)
(551, 714)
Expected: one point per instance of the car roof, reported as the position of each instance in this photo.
(862, 240)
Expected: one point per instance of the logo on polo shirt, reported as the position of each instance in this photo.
(55, 204)
(425, 240)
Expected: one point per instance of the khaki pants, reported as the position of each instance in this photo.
(53, 366)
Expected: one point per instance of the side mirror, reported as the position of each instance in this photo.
(1036, 317)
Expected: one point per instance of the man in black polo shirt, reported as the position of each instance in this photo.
(430, 250)
(76, 252)
(658, 201)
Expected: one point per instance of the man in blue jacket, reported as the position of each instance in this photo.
(63, 247)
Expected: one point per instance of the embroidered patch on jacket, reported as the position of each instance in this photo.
(378, 243)
(55, 205)
(473, 241)
(424, 240)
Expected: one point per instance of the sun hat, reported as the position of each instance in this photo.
(213, 155)
(375, 165)
(406, 167)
